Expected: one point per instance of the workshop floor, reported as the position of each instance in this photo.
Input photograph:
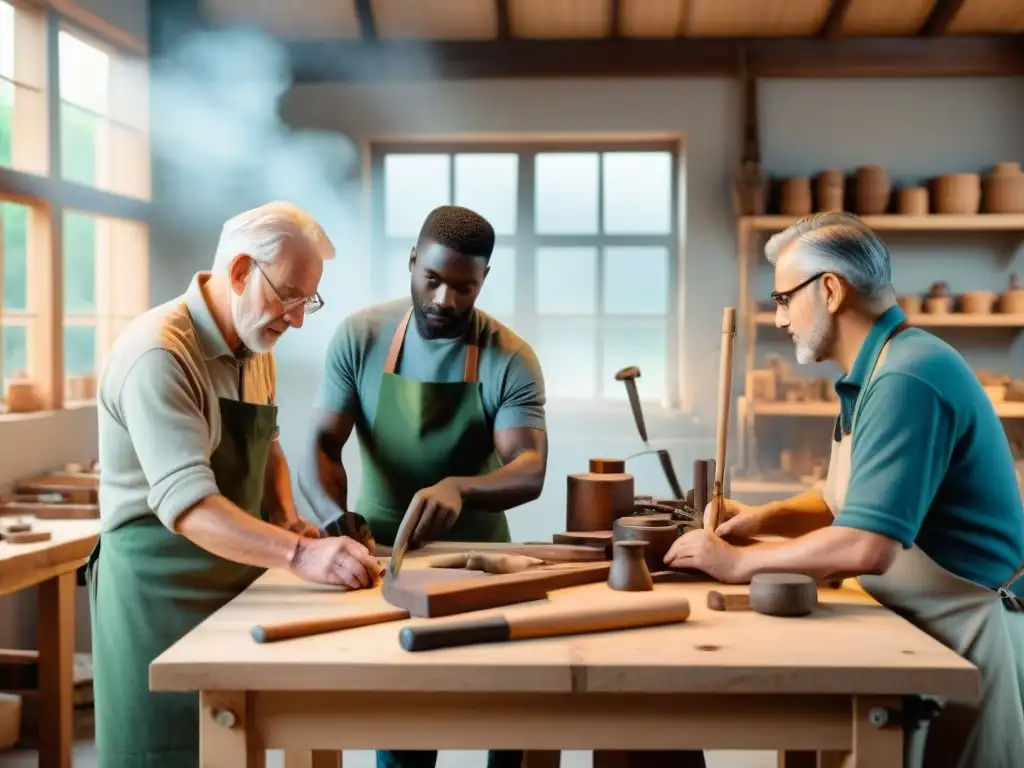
(85, 757)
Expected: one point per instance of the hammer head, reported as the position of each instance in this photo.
(628, 374)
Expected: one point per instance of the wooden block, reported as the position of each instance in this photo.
(721, 601)
(431, 592)
(72, 493)
(602, 540)
(27, 537)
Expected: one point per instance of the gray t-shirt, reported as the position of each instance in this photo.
(512, 383)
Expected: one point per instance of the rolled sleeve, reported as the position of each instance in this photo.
(338, 390)
(522, 398)
(170, 434)
(902, 445)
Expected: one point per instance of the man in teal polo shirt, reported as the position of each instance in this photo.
(921, 502)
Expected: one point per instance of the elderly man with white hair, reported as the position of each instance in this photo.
(194, 492)
(921, 503)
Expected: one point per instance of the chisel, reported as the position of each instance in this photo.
(644, 610)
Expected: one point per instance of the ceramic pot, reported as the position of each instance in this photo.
(977, 302)
(958, 193)
(629, 571)
(829, 190)
(795, 196)
(913, 201)
(873, 188)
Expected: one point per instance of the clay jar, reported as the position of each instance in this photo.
(658, 531)
(913, 201)
(1011, 301)
(795, 196)
(829, 189)
(873, 188)
(958, 193)
(629, 571)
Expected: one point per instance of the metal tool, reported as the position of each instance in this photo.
(628, 376)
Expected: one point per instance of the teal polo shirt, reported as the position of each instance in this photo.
(931, 464)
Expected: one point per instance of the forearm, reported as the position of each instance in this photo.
(833, 552)
(797, 515)
(518, 482)
(220, 527)
(278, 501)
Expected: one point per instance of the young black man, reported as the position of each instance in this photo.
(448, 406)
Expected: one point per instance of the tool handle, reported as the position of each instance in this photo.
(286, 630)
(634, 404)
(670, 473)
(724, 400)
(449, 635)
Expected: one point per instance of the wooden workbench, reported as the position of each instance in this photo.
(719, 681)
(51, 565)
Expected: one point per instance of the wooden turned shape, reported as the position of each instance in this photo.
(783, 594)
(629, 572)
(607, 466)
(658, 532)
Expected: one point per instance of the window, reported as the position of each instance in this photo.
(585, 266)
(105, 286)
(103, 135)
(23, 122)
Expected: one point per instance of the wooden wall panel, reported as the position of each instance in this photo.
(979, 17)
(756, 18)
(564, 19)
(436, 19)
(653, 18)
(306, 19)
(881, 18)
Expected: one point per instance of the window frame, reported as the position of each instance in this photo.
(526, 240)
(122, 220)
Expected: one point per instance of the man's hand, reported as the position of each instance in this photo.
(737, 519)
(300, 526)
(705, 551)
(336, 560)
(433, 511)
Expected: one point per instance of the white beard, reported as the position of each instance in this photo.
(812, 347)
(250, 324)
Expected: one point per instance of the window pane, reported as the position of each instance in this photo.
(489, 183)
(79, 350)
(637, 190)
(413, 186)
(645, 346)
(79, 264)
(636, 280)
(566, 193)
(568, 358)
(78, 133)
(15, 257)
(84, 74)
(15, 351)
(498, 296)
(6, 121)
(566, 281)
(397, 285)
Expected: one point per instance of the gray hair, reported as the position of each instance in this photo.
(262, 232)
(839, 243)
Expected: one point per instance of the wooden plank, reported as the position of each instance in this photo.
(24, 565)
(318, 61)
(46, 511)
(56, 670)
(564, 20)
(980, 17)
(435, 19)
(642, 18)
(855, 646)
(766, 18)
(873, 18)
(941, 17)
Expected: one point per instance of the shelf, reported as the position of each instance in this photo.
(1011, 410)
(937, 222)
(950, 320)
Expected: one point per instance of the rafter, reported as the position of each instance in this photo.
(615, 18)
(367, 26)
(940, 18)
(833, 23)
(504, 21)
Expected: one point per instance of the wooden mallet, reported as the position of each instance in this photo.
(724, 401)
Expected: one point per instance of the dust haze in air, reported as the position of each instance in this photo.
(220, 143)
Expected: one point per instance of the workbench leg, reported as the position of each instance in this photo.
(877, 736)
(56, 630)
(542, 758)
(798, 760)
(224, 737)
(318, 758)
(649, 758)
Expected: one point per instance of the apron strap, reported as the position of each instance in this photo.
(1010, 600)
(472, 352)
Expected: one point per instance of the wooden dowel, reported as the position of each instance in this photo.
(286, 630)
(724, 401)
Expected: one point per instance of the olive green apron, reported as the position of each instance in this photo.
(972, 620)
(149, 587)
(422, 433)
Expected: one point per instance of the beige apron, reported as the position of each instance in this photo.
(968, 618)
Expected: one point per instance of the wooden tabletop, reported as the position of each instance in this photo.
(22, 565)
(850, 645)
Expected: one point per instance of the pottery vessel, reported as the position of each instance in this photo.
(913, 201)
(629, 572)
(829, 190)
(873, 189)
(958, 193)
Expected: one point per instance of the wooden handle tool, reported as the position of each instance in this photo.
(724, 400)
(653, 609)
(286, 630)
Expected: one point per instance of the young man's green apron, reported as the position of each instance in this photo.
(149, 587)
(422, 433)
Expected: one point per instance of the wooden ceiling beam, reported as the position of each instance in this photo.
(367, 26)
(504, 20)
(833, 23)
(392, 60)
(615, 19)
(940, 18)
